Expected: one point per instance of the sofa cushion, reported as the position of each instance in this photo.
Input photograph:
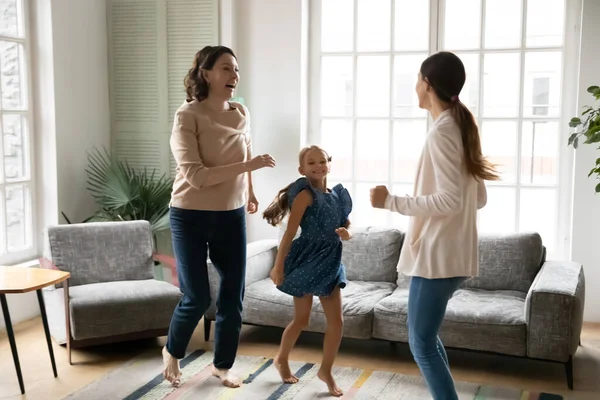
(97, 252)
(508, 262)
(264, 304)
(475, 319)
(372, 254)
(116, 308)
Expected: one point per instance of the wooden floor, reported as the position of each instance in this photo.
(91, 364)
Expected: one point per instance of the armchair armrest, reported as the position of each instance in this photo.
(169, 261)
(554, 311)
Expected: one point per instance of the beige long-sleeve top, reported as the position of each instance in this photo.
(210, 148)
(442, 237)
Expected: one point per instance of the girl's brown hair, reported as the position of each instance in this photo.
(279, 207)
(196, 86)
(445, 72)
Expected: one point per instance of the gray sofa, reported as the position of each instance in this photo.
(520, 304)
(112, 294)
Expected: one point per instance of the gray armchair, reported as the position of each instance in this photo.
(112, 294)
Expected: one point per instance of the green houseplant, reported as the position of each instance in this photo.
(588, 126)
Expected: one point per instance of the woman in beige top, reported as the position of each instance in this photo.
(440, 250)
(211, 144)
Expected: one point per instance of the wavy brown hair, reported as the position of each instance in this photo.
(196, 86)
(445, 73)
(279, 207)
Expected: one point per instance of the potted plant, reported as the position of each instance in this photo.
(124, 194)
(588, 126)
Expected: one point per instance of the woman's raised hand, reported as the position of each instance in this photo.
(261, 161)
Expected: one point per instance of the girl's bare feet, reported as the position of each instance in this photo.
(284, 371)
(171, 371)
(326, 377)
(226, 377)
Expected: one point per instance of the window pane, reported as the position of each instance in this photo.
(409, 138)
(373, 25)
(14, 92)
(545, 22)
(400, 221)
(538, 214)
(543, 77)
(406, 73)
(469, 95)
(372, 149)
(411, 25)
(498, 215)
(16, 147)
(337, 25)
(363, 213)
(11, 18)
(336, 86)
(462, 24)
(373, 86)
(336, 140)
(499, 145)
(503, 23)
(539, 153)
(18, 217)
(501, 85)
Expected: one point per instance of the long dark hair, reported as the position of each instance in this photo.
(196, 86)
(445, 73)
(279, 207)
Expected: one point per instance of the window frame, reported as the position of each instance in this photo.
(568, 99)
(31, 252)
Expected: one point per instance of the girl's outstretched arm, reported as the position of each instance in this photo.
(301, 202)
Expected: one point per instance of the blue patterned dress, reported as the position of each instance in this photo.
(314, 263)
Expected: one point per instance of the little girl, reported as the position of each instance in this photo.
(311, 265)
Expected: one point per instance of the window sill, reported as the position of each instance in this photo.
(28, 264)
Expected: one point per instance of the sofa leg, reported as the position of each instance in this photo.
(569, 372)
(207, 323)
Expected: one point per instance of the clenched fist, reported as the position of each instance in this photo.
(378, 196)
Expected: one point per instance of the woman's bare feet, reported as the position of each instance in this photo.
(333, 388)
(171, 371)
(226, 377)
(284, 371)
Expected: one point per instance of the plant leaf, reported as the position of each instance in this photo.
(576, 143)
(598, 188)
(575, 122)
(572, 138)
(592, 89)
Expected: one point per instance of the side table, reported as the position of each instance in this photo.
(23, 280)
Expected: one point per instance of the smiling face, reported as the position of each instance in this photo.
(223, 77)
(315, 165)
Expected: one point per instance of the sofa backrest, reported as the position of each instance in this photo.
(508, 262)
(372, 254)
(101, 251)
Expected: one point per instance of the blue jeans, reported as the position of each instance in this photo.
(223, 235)
(427, 301)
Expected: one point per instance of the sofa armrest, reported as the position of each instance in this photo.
(554, 311)
(260, 258)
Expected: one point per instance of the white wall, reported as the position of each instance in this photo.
(71, 112)
(269, 38)
(586, 205)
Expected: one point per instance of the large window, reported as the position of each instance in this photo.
(16, 219)
(365, 56)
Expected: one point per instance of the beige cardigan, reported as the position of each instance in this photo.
(211, 149)
(442, 238)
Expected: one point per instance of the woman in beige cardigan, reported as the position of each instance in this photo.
(440, 250)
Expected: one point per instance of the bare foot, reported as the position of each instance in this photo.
(284, 371)
(171, 370)
(226, 377)
(326, 377)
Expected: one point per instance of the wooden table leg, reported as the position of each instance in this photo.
(11, 339)
(40, 297)
(67, 318)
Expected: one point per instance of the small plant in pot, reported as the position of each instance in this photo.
(588, 126)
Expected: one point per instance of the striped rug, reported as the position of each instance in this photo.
(262, 382)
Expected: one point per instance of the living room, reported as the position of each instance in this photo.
(109, 74)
